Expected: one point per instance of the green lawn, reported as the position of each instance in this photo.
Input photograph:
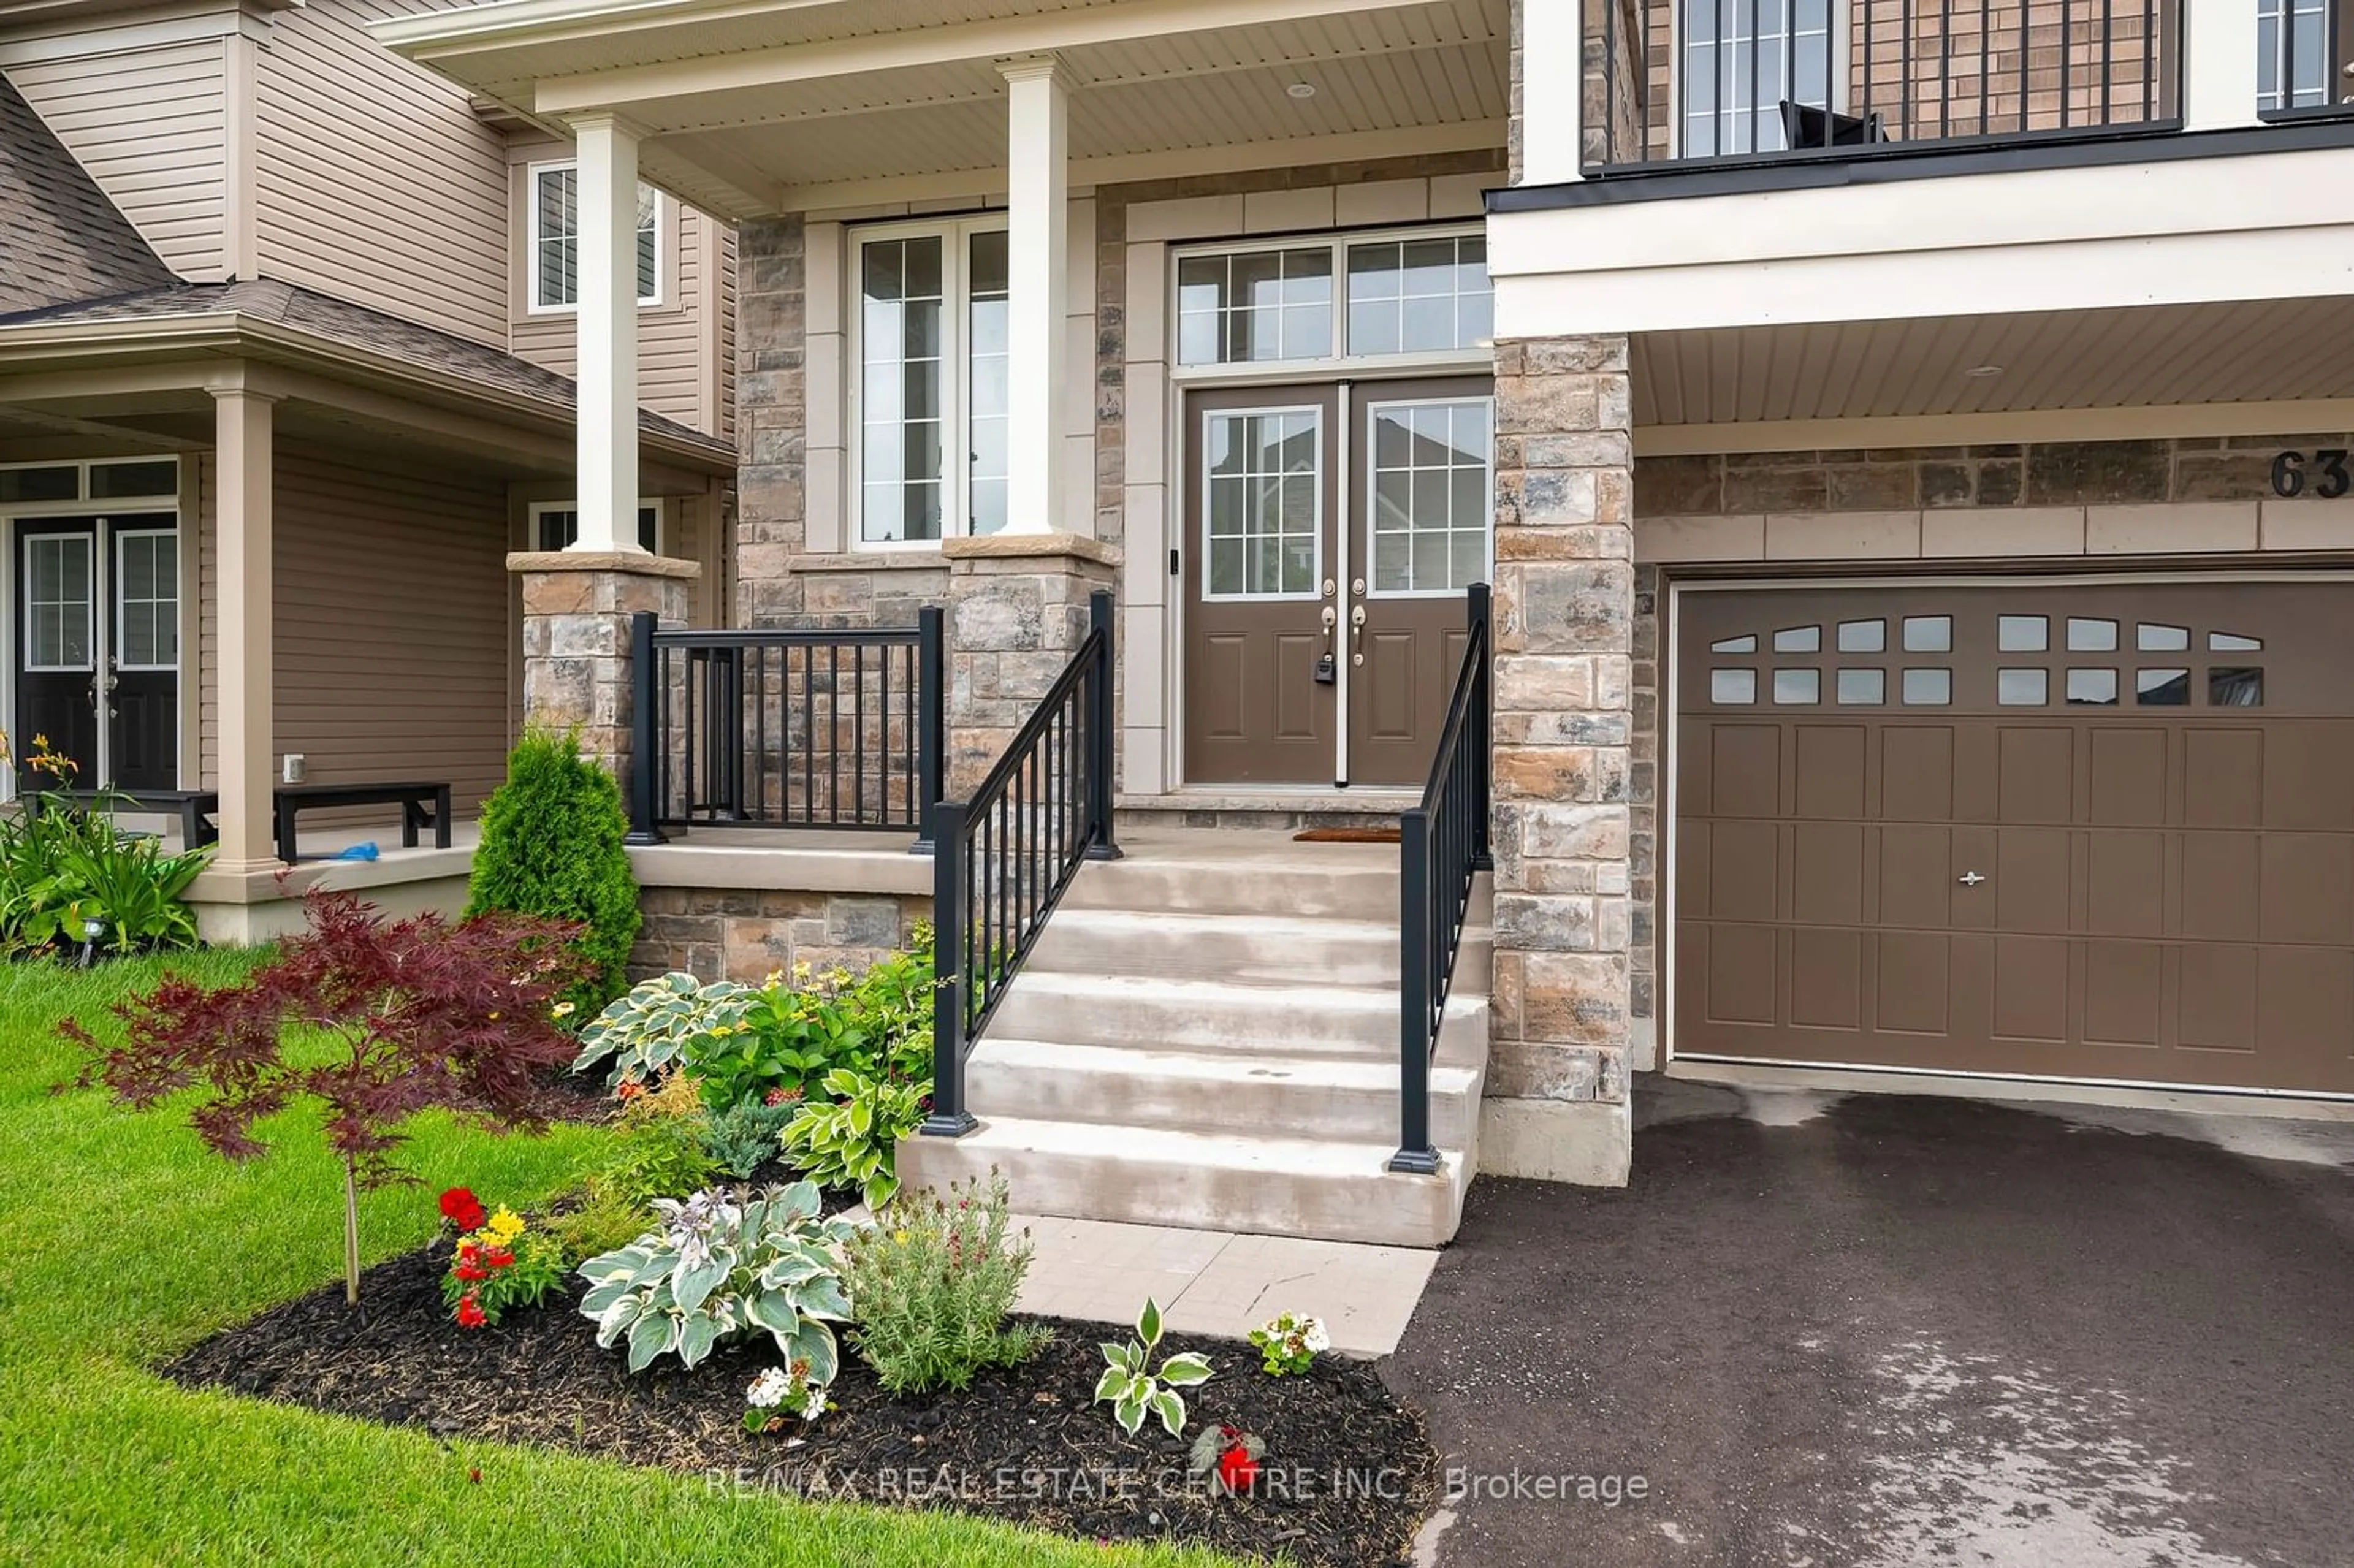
(123, 1240)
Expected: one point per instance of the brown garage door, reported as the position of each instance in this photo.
(2085, 830)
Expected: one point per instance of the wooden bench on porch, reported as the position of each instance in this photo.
(195, 808)
(421, 803)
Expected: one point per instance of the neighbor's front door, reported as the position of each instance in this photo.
(99, 649)
(1331, 532)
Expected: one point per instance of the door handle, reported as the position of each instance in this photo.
(1356, 622)
(1331, 619)
(1969, 879)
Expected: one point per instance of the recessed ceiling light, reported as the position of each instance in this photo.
(1301, 89)
(1983, 371)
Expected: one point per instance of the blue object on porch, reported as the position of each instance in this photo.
(358, 851)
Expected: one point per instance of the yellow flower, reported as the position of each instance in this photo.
(504, 1226)
(801, 971)
(562, 1010)
(899, 1236)
(775, 978)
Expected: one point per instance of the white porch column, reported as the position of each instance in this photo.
(607, 429)
(2219, 63)
(1552, 91)
(243, 674)
(1039, 197)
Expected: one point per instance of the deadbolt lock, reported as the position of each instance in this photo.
(1358, 588)
(1331, 588)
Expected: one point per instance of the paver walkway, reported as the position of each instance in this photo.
(1217, 1282)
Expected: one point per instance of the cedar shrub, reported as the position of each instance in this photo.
(418, 1013)
(553, 846)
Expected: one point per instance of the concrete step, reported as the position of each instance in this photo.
(1160, 1176)
(1267, 1021)
(1254, 950)
(1325, 1098)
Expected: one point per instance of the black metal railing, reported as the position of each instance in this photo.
(1003, 855)
(1442, 847)
(1700, 79)
(785, 729)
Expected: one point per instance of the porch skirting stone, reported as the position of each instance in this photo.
(1017, 609)
(746, 934)
(1589, 1142)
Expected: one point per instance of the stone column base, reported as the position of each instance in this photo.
(1017, 609)
(577, 605)
(1588, 1142)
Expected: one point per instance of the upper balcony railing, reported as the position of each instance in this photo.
(1686, 80)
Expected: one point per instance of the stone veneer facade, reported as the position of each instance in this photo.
(1564, 765)
(746, 934)
(576, 609)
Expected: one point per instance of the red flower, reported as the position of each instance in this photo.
(1237, 1470)
(499, 1257)
(472, 1273)
(471, 1316)
(630, 1089)
(462, 1209)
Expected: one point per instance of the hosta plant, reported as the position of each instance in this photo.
(850, 1136)
(719, 1269)
(1132, 1386)
(649, 1030)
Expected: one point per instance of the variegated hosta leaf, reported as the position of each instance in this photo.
(696, 1336)
(1129, 1413)
(616, 1316)
(1171, 1408)
(1113, 1383)
(1148, 1323)
(813, 1343)
(822, 1297)
(801, 1200)
(773, 1310)
(600, 1297)
(650, 1336)
(1185, 1370)
(698, 1281)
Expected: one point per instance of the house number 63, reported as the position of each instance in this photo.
(2289, 473)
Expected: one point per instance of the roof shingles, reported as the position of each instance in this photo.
(64, 239)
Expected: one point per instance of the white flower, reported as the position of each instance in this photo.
(815, 1406)
(1312, 1335)
(769, 1390)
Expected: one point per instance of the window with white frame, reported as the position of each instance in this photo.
(2293, 54)
(1741, 59)
(930, 384)
(554, 241)
(1362, 297)
(556, 525)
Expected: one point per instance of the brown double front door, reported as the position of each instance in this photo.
(2061, 830)
(1327, 535)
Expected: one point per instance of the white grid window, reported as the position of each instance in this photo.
(1408, 296)
(1741, 59)
(1430, 496)
(58, 601)
(1264, 522)
(554, 239)
(933, 389)
(2298, 56)
(147, 600)
(1249, 306)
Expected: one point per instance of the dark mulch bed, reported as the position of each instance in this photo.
(1349, 1475)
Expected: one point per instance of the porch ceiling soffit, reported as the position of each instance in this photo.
(85, 369)
(1795, 376)
(728, 100)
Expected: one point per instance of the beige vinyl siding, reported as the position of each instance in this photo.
(677, 375)
(150, 125)
(392, 606)
(376, 181)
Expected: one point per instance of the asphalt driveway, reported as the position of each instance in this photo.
(1898, 1332)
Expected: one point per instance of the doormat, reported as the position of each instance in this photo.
(1345, 836)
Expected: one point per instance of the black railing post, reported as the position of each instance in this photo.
(645, 692)
(931, 721)
(1103, 740)
(949, 1117)
(1480, 736)
(1416, 1155)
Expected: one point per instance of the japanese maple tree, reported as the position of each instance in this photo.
(414, 1012)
